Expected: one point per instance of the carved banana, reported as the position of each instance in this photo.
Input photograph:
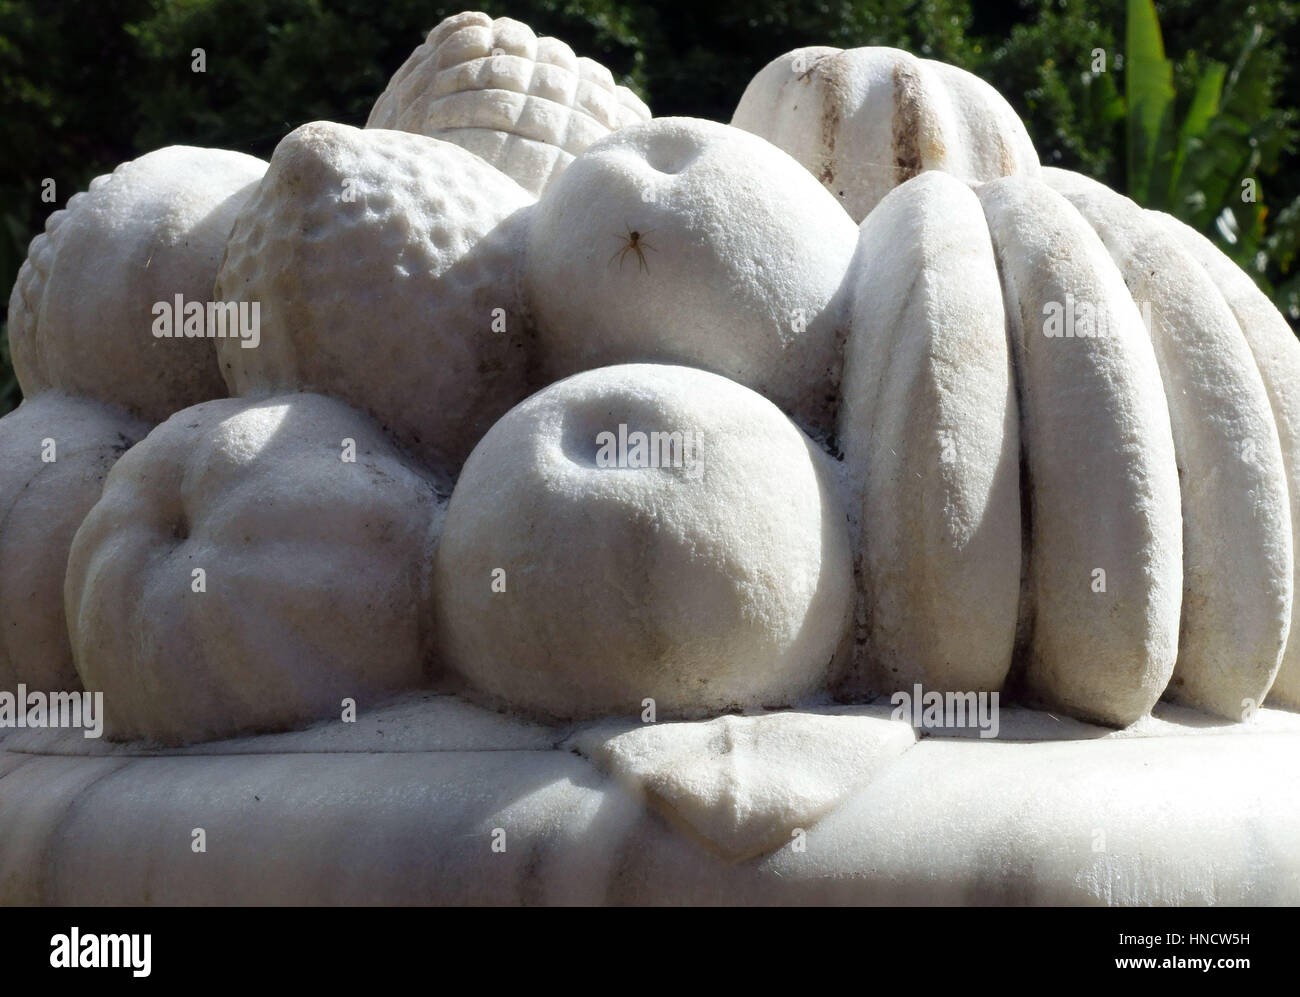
(1104, 574)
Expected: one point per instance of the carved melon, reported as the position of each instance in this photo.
(865, 120)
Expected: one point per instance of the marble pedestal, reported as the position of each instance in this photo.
(431, 800)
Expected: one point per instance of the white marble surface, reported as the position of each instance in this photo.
(1238, 562)
(413, 279)
(572, 582)
(81, 313)
(385, 267)
(930, 430)
(240, 574)
(401, 808)
(736, 265)
(864, 120)
(1100, 473)
(525, 104)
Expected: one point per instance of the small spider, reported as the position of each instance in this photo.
(633, 242)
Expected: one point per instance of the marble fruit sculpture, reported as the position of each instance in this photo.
(521, 392)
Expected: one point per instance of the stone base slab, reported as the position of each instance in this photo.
(414, 803)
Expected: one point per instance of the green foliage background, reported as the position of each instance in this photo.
(86, 85)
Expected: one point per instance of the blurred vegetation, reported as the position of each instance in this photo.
(1208, 96)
